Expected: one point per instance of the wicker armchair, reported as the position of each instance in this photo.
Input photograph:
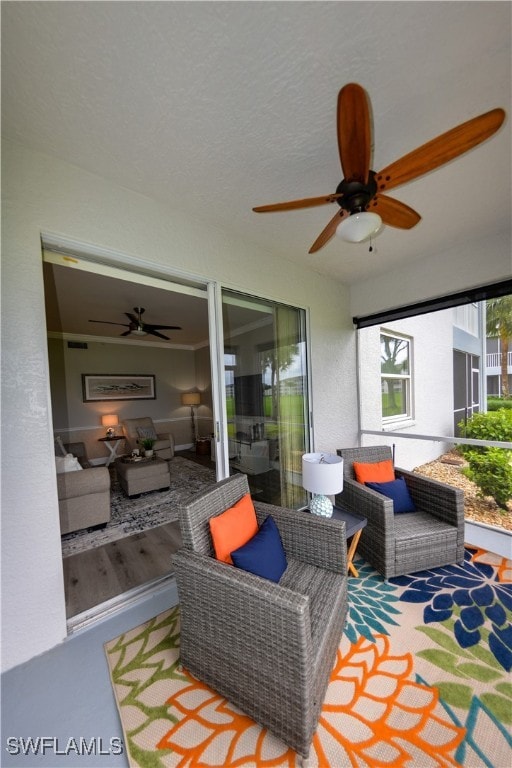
(269, 648)
(405, 543)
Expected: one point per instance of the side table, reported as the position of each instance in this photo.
(112, 444)
(354, 525)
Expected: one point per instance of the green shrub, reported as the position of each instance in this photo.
(496, 403)
(494, 425)
(489, 468)
(492, 472)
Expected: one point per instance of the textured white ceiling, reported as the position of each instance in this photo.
(215, 107)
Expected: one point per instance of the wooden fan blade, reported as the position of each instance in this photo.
(354, 133)
(329, 231)
(133, 318)
(308, 202)
(440, 150)
(393, 212)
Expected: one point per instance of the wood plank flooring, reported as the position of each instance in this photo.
(104, 572)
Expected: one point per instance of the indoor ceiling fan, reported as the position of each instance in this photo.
(138, 327)
(362, 194)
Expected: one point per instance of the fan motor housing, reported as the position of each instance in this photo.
(356, 195)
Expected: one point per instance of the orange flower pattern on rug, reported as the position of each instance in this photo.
(502, 564)
(406, 689)
(374, 715)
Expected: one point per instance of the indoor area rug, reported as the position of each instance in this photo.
(149, 510)
(421, 678)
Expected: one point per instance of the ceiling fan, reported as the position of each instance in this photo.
(138, 327)
(362, 194)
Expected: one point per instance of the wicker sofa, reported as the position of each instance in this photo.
(395, 545)
(267, 647)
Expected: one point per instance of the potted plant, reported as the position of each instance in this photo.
(147, 443)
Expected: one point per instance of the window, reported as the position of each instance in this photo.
(395, 368)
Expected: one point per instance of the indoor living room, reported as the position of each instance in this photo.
(118, 536)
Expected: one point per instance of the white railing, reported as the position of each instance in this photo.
(440, 438)
(493, 360)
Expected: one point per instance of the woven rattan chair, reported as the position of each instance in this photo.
(267, 647)
(405, 543)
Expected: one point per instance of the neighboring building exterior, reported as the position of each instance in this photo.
(493, 367)
(469, 386)
(422, 376)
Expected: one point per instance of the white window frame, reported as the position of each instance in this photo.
(405, 377)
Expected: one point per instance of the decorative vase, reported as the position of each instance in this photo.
(321, 505)
(148, 453)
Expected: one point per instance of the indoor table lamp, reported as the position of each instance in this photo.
(110, 421)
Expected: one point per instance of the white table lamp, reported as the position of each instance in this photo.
(322, 475)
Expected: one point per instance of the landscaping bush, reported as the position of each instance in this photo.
(494, 425)
(490, 468)
(492, 472)
(495, 403)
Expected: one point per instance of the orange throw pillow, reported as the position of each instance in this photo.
(233, 528)
(378, 472)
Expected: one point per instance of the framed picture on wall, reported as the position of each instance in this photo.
(118, 386)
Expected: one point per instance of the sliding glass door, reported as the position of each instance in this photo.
(265, 369)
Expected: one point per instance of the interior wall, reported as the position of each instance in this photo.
(44, 194)
(174, 371)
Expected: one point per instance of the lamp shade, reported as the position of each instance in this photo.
(322, 473)
(359, 226)
(109, 420)
(191, 398)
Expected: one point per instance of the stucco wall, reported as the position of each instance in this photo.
(43, 194)
(479, 262)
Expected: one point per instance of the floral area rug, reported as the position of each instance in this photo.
(148, 511)
(422, 678)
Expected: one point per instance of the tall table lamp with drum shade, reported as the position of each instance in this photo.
(322, 475)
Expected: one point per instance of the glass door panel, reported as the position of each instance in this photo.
(266, 391)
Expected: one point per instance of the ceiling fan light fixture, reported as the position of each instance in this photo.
(359, 226)
(139, 332)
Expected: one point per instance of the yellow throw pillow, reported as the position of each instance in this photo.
(233, 528)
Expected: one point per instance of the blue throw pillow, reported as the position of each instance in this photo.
(263, 555)
(398, 491)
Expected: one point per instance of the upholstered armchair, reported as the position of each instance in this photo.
(268, 647)
(135, 430)
(84, 494)
(399, 543)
